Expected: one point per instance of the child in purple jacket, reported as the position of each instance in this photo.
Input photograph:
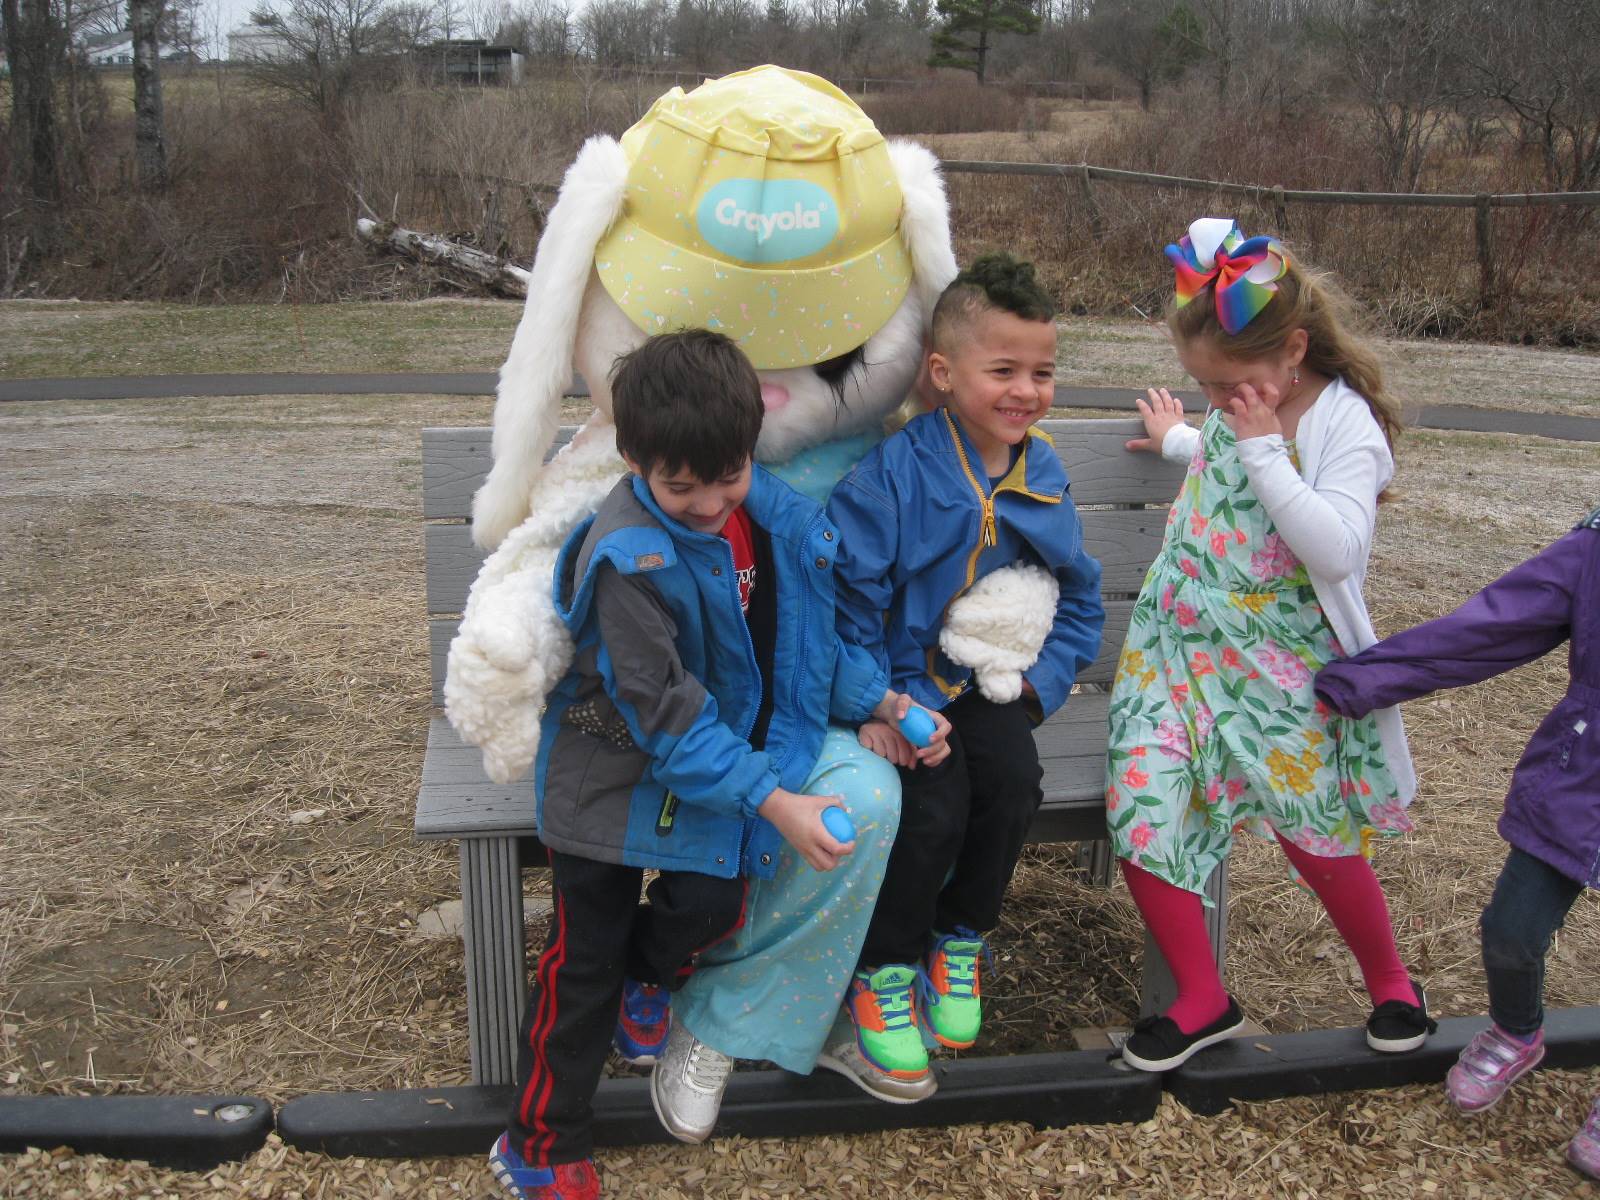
(1552, 814)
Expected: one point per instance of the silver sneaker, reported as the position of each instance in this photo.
(841, 1053)
(686, 1085)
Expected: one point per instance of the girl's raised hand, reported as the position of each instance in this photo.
(1160, 411)
(1254, 414)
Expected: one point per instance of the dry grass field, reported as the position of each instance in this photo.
(215, 703)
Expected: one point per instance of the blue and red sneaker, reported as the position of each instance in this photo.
(642, 1023)
(561, 1181)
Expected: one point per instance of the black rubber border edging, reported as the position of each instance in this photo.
(168, 1131)
(1274, 1066)
(1048, 1090)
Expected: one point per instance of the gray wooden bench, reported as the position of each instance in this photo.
(1123, 499)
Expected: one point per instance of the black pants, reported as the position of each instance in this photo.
(1531, 900)
(599, 934)
(963, 820)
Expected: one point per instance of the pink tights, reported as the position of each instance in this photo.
(1348, 890)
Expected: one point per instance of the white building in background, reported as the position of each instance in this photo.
(258, 43)
(109, 49)
(116, 50)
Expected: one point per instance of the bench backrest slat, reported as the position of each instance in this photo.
(455, 460)
(1122, 496)
(1124, 540)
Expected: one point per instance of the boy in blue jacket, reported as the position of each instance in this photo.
(958, 493)
(677, 740)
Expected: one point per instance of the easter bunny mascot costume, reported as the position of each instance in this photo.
(767, 206)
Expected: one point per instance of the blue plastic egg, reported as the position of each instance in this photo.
(837, 822)
(917, 725)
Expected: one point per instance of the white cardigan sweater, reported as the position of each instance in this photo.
(1326, 512)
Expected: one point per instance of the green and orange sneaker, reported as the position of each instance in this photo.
(877, 1043)
(953, 996)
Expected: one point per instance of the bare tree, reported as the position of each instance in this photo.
(1537, 58)
(183, 27)
(705, 33)
(626, 33)
(839, 24)
(543, 28)
(1149, 41)
(91, 18)
(332, 47)
(1395, 52)
(412, 24)
(36, 45)
(1217, 34)
(149, 131)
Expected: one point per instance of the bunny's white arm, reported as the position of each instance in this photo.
(512, 648)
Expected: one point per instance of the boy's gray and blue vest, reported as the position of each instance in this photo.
(646, 754)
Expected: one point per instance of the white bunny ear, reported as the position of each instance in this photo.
(527, 409)
(924, 222)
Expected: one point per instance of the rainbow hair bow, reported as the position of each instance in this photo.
(1243, 273)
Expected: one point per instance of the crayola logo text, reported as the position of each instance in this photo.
(767, 220)
(762, 224)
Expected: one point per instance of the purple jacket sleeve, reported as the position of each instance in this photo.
(1525, 613)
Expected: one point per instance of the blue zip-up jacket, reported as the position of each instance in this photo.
(645, 754)
(921, 525)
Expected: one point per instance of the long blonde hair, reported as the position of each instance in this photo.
(1339, 342)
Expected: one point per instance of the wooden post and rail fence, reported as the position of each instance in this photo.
(1278, 198)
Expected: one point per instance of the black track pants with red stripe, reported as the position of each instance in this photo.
(599, 934)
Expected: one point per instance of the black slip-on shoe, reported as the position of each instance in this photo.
(1395, 1026)
(1157, 1044)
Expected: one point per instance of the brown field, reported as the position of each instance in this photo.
(265, 194)
(215, 711)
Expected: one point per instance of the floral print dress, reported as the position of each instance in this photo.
(1214, 724)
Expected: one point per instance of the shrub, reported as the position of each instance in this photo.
(945, 107)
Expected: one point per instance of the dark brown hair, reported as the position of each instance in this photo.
(993, 282)
(687, 400)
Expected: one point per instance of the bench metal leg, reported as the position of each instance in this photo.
(1095, 859)
(497, 986)
(1157, 989)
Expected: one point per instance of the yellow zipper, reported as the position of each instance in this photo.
(988, 534)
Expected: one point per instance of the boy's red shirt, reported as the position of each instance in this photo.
(737, 531)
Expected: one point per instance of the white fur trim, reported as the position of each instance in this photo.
(536, 373)
(511, 648)
(998, 626)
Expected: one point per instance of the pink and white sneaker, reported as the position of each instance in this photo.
(1583, 1152)
(1491, 1063)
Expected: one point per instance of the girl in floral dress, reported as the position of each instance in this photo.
(1214, 723)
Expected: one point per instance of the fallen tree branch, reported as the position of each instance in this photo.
(486, 270)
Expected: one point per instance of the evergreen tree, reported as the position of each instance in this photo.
(965, 28)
